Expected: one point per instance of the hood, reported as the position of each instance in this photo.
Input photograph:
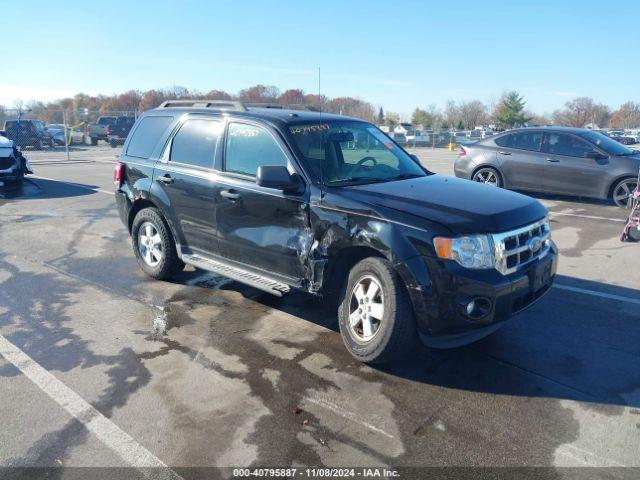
(5, 142)
(460, 205)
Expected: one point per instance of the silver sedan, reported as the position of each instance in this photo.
(559, 160)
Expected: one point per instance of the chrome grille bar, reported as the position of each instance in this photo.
(516, 248)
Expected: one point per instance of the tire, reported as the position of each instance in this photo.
(168, 263)
(94, 141)
(634, 234)
(618, 191)
(38, 145)
(395, 332)
(113, 143)
(488, 176)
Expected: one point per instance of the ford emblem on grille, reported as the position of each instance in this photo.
(534, 244)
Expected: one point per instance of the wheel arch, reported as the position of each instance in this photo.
(492, 167)
(341, 264)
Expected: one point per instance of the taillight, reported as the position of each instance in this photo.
(86, 129)
(462, 152)
(107, 130)
(118, 174)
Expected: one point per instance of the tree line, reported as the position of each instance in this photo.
(135, 101)
(508, 112)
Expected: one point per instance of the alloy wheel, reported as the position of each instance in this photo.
(150, 244)
(366, 309)
(487, 176)
(623, 193)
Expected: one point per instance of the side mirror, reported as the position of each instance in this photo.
(279, 178)
(593, 155)
(415, 157)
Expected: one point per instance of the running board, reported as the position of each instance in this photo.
(243, 276)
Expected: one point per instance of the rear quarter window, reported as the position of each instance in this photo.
(146, 136)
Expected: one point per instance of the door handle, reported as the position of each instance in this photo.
(230, 194)
(501, 152)
(552, 160)
(166, 179)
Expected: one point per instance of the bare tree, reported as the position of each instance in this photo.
(627, 116)
(472, 113)
(582, 111)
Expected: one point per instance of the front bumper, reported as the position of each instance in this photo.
(440, 304)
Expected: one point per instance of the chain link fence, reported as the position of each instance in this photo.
(437, 138)
(45, 128)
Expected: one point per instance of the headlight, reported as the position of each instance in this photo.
(474, 251)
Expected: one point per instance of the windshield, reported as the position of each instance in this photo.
(352, 152)
(607, 144)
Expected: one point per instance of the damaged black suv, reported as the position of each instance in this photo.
(288, 200)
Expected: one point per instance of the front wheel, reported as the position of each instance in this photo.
(488, 176)
(154, 246)
(622, 192)
(375, 314)
(94, 141)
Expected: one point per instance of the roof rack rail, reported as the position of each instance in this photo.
(213, 104)
(281, 106)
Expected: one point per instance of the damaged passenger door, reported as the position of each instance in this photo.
(265, 228)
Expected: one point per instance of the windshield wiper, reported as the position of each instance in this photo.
(405, 176)
(357, 179)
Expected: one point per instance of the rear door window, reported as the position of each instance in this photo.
(527, 141)
(505, 141)
(146, 136)
(248, 147)
(196, 142)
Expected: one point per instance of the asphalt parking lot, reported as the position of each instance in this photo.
(102, 367)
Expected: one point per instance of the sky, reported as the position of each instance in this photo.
(396, 54)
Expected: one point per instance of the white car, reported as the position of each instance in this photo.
(13, 165)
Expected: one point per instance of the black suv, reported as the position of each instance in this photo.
(28, 133)
(291, 200)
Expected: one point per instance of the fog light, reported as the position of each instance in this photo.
(471, 306)
(476, 308)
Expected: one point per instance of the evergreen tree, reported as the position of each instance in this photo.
(510, 111)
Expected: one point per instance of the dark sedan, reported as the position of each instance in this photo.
(561, 160)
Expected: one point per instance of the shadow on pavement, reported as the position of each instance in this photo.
(35, 188)
(570, 345)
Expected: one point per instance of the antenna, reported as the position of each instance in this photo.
(321, 139)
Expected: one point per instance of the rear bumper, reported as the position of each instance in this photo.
(440, 306)
(124, 206)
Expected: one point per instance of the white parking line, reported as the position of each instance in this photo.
(595, 293)
(79, 185)
(591, 217)
(108, 432)
(349, 415)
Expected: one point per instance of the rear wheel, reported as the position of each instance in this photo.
(375, 314)
(634, 234)
(488, 176)
(154, 246)
(94, 141)
(622, 192)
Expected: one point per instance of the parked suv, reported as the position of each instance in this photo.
(288, 200)
(28, 133)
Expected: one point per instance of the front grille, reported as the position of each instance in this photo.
(518, 247)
